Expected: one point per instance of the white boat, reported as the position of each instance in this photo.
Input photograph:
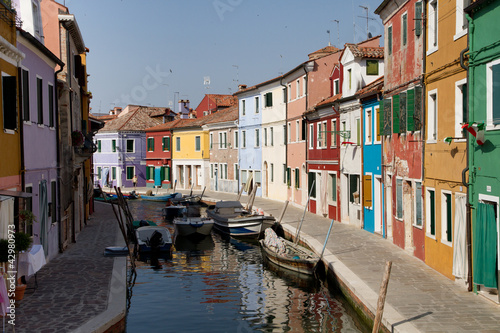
(232, 219)
(153, 239)
(193, 226)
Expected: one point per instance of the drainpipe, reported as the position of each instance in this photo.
(465, 183)
(286, 127)
(422, 83)
(58, 155)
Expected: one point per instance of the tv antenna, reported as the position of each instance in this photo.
(367, 19)
(328, 32)
(206, 82)
(338, 31)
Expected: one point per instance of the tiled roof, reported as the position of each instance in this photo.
(223, 100)
(366, 52)
(323, 52)
(373, 88)
(329, 100)
(229, 114)
(106, 117)
(136, 120)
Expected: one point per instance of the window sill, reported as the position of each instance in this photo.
(460, 34)
(430, 236)
(431, 141)
(491, 127)
(432, 50)
(41, 125)
(445, 242)
(27, 122)
(418, 226)
(9, 131)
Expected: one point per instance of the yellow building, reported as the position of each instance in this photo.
(190, 154)
(444, 141)
(10, 133)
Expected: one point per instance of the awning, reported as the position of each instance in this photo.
(16, 194)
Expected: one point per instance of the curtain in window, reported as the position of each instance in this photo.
(484, 255)
(459, 237)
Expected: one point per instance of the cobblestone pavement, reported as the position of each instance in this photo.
(74, 286)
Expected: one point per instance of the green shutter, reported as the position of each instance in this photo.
(98, 146)
(418, 18)
(410, 99)
(167, 173)
(162, 173)
(418, 114)
(402, 112)
(395, 114)
(113, 146)
(389, 39)
(405, 28)
(387, 116)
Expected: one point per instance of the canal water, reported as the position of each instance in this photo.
(225, 285)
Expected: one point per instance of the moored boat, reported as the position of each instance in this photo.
(193, 226)
(159, 197)
(153, 239)
(232, 219)
(287, 254)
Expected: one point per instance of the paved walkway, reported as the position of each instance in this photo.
(79, 290)
(419, 299)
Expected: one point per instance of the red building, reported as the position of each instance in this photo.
(212, 103)
(159, 153)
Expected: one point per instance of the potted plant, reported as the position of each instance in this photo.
(77, 138)
(26, 218)
(22, 242)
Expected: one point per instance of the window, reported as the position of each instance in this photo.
(53, 194)
(177, 144)
(236, 144)
(304, 82)
(243, 139)
(358, 131)
(304, 131)
(349, 76)
(224, 137)
(113, 146)
(51, 105)
(130, 146)
(404, 28)
(446, 222)
(368, 126)
(432, 116)
(284, 95)
(98, 146)
(493, 95)
(211, 140)
(211, 170)
(418, 204)
(418, 18)
(289, 133)
(236, 172)
(271, 134)
(166, 143)
(311, 184)
(297, 88)
(332, 188)
(39, 99)
(166, 173)
(26, 95)
(431, 212)
(399, 198)
(265, 137)
(271, 172)
(311, 136)
(257, 177)
(225, 170)
(130, 172)
(243, 107)
(257, 105)
(36, 19)
(98, 172)
(432, 36)
(284, 174)
(284, 134)
(333, 134)
(460, 107)
(389, 40)
(297, 129)
(321, 142)
(221, 142)
(151, 144)
(297, 178)
(354, 189)
(336, 86)
(257, 137)
(268, 100)
(197, 143)
(461, 22)
(376, 124)
(367, 191)
(113, 173)
(371, 67)
(289, 92)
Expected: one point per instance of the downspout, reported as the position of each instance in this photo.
(306, 127)
(58, 156)
(21, 129)
(422, 83)
(468, 216)
(286, 127)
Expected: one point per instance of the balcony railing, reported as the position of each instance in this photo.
(88, 147)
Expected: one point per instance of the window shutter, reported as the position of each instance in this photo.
(418, 18)
(9, 84)
(99, 146)
(417, 113)
(380, 119)
(288, 176)
(410, 123)
(113, 146)
(167, 173)
(387, 116)
(367, 190)
(389, 39)
(297, 178)
(402, 112)
(162, 173)
(395, 114)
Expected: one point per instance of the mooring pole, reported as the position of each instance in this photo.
(381, 297)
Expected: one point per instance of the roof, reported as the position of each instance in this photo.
(329, 100)
(69, 22)
(229, 114)
(373, 88)
(323, 52)
(40, 47)
(259, 84)
(223, 100)
(366, 52)
(136, 120)
(106, 117)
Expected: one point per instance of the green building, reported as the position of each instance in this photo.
(484, 118)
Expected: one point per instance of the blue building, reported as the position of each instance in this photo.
(373, 198)
(250, 138)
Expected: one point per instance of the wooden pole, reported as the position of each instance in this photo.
(283, 211)
(381, 297)
(305, 210)
(240, 193)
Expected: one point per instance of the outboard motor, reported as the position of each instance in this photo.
(156, 241)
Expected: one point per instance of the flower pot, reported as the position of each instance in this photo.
(19, 294)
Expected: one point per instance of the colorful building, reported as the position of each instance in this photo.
(401, 117)
(212, 103)
(445, 141)
(484, 109)
(39, 144)
(371, 158)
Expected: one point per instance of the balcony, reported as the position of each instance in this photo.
(83, 145)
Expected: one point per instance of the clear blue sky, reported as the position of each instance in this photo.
(143, 52)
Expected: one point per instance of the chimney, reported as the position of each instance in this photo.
(184, 108)
(116, 111)
(242, 86)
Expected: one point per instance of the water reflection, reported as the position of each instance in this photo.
(224, 285)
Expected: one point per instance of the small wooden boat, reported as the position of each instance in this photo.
(142, 223)
(153, 239)
(287, 254)
(193, 226)
(162, 197)
(232, 219)
(171, 212)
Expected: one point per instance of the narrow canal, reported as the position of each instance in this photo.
(224, 285)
